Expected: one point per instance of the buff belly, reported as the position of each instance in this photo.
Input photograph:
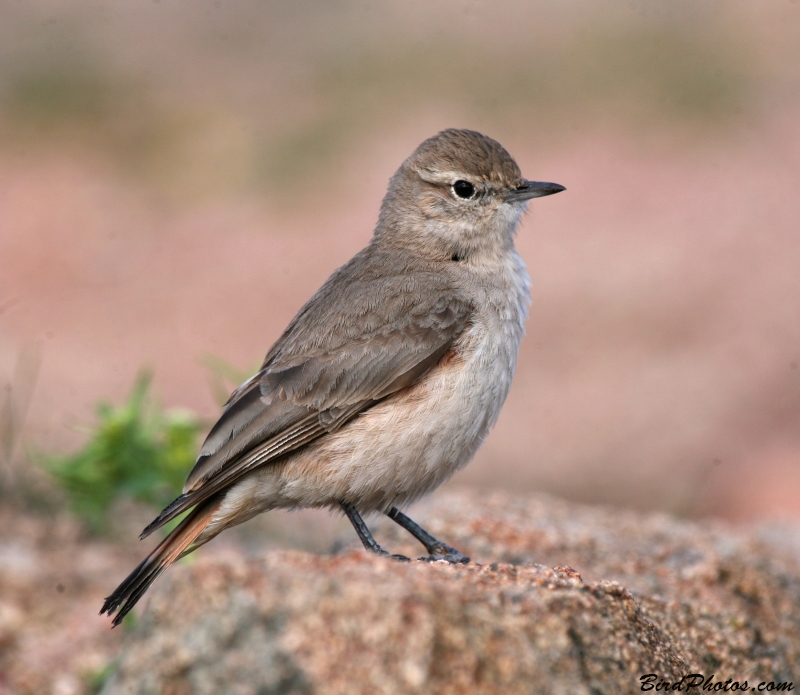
(394, 453)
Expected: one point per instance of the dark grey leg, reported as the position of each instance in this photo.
(363, 532)
(437, 549)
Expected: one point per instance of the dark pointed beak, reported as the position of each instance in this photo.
(532, 189)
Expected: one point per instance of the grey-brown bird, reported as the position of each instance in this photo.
(389, 378)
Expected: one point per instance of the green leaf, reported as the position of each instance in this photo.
(135, 451)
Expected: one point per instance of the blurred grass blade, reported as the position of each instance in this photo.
(223, 377)
(17, 396)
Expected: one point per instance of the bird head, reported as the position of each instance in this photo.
(460, 194)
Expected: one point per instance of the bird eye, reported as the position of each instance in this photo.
(463, 189)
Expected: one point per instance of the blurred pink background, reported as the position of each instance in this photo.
(177, 178)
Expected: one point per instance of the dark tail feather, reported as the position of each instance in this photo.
(174, 546)
(173, 509)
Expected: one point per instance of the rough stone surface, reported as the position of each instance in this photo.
(648, 594)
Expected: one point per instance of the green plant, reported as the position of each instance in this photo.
(96, 680)
(135, 451)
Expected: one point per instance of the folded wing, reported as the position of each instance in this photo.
(365, 335)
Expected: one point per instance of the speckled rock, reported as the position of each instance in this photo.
(647, 595)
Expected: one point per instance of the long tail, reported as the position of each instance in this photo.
(174, 546)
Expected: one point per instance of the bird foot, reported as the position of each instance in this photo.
(446, 553)
(382, 552)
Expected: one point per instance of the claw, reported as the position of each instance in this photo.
(451, 555)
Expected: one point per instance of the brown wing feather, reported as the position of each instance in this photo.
(363, 336)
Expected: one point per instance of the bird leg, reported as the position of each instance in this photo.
(369, 542)
(437, 549)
